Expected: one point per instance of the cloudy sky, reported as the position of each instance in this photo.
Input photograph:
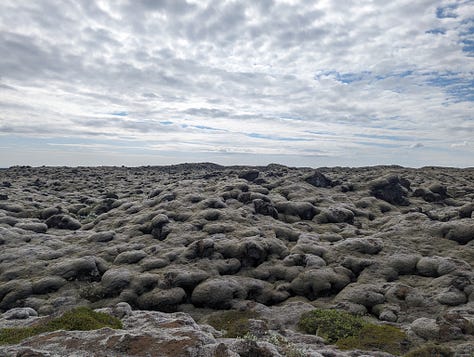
(302, 83)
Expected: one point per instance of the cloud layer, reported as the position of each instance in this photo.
(295, 82)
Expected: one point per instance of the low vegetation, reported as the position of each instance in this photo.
(430, 350)
(235, 323)
(376, 337)
(353, 332)
(331, 325)
(81, 319)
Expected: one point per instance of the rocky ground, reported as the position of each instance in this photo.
(179, 243)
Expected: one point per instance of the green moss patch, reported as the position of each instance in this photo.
(430, 350)
(235, 323)
(352, 332)
(376, 337)
(80, 319)
(331, 325)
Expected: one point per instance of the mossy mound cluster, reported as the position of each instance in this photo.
(353, 332)
(78, 319)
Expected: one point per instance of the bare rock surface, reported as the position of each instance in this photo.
(390, 242)
(153, 333)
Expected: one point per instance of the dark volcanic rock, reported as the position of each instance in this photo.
(317, 179)
(62, 221)
(303, 210)
(162, 300)
(265, 208)
(466, 210)
(249, 175)
(86, 268)
(103, 237)
(392, 189)
(461, 231)
(434, 193)
(218, 293)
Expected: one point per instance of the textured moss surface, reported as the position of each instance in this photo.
(81, 319)
(353, 332)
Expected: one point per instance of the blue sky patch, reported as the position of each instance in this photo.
(448, 11)
(276, 138)
(385, 137)
(119, 114)
(438, 31)
(376, 144)
(455, 84)
(345, 77)
(319, 132)
(204, 127)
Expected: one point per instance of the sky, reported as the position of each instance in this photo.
(300, 83)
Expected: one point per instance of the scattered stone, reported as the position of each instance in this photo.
(162, 300)
(320, 282)
(404, 264)
(265, 208)
(363, 294)
(302, 210)
(317, 179)
(362, 245)
(84, 269)
(466, 210)
(452, 297)
(62, 221)
(102, 237)
(130, 257)
(391, 189)
(50, 211)
(8, 220)
(48, 285)
(157, 227)
(249, 175)
(203, 248)
(19, 313)
(336, 214)
(121, 310)
(425, 328)
(217, 293)
(36, 227)
(13, 293)
(462, 231)
(116, 280)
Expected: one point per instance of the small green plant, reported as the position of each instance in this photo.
(352, 332)
(80, 318)
(234, 323)
(292, 351)
(250, 337)
(430, 350)
(14, 335)
(375, 337)
(288, 349)
(277, 340)
(83, 319)
(331, 325)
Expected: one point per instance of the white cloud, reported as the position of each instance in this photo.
(284, 69)
(460, 145)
